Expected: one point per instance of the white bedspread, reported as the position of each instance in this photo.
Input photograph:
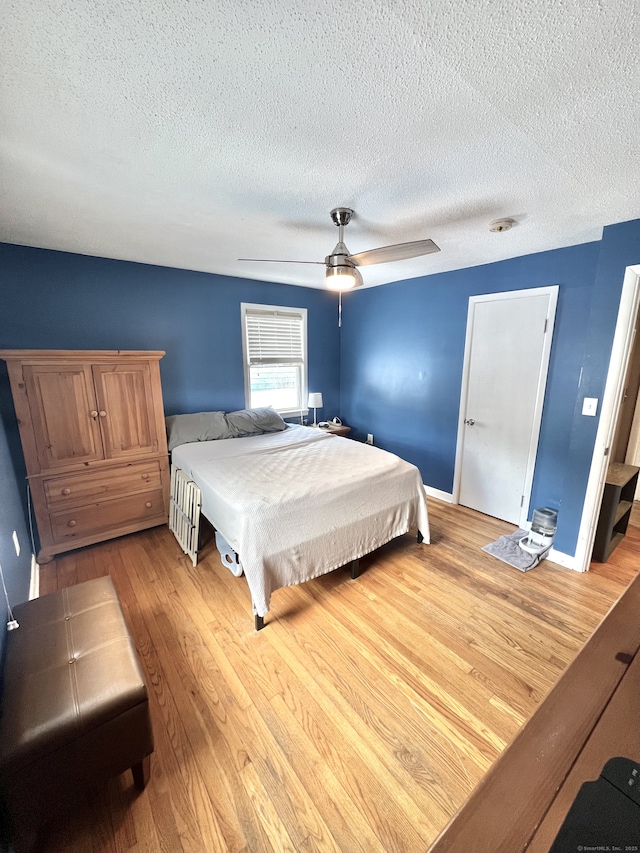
(299, 503)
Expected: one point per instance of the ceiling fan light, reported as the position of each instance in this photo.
(341, 278)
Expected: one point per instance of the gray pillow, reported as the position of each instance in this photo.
(254, 421)
(201, 426)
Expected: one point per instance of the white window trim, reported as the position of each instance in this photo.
(249, 307)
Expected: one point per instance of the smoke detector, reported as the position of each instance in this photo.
(501, 224)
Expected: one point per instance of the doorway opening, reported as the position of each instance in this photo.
(624, 446)
(618, 378)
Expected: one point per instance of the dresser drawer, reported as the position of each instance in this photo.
(79, 489)
(105, 515)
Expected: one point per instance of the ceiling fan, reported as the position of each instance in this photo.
(341, 268)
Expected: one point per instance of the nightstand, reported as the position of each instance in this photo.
(334, 429)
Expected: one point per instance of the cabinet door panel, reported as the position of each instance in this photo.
(64, 414)
(126, 410)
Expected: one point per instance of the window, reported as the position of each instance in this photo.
(274, 344)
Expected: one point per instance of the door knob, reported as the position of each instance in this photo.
(469, 422)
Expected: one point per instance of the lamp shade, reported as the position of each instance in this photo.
(342, 277)
(314, 401)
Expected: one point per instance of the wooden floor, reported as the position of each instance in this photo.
(364, 713)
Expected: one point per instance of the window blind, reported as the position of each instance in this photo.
(274, 337)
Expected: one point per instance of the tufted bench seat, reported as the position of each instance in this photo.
(75, 709)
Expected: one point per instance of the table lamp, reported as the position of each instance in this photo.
(314, 402)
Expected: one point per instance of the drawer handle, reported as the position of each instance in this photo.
(145, 476)
(73, 522)
(148, 504)
(66, 491)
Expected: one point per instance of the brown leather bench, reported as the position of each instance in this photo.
(75, 709)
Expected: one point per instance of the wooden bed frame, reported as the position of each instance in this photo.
(592, 714)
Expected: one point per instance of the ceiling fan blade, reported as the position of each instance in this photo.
(397, 252)
(278, 261)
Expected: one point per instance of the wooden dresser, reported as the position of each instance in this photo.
(93, 435)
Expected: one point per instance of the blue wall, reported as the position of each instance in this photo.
(395, 370)
(619, 248)
(403, 351)
(16, 569)
(56, 300)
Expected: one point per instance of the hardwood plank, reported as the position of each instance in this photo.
(265, 734)
(365, 766)
(364, 714)
(141, 818)
(274, 828)
(375, 667)
(341, 750)
(306, 743)
(447, 645)
(521, 785)
(192, 749)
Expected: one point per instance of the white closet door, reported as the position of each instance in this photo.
(506, 361)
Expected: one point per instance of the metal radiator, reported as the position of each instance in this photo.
(184, 513)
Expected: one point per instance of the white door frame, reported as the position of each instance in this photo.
(611, 399)
(552, 292)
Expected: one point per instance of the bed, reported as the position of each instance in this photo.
(293, 504)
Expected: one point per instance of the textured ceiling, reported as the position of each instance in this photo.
(189, 133)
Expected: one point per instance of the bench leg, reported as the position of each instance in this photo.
(141, 772)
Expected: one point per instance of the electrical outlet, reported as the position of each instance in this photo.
(369, 438)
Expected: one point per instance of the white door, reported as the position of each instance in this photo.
(506, 360)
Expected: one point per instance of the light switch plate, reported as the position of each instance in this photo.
(590, 406)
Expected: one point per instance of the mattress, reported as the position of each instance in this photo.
(299, 503)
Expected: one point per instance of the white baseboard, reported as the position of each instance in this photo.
(561, 559)
(436, 493)
(557, 557)
(34, 583)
